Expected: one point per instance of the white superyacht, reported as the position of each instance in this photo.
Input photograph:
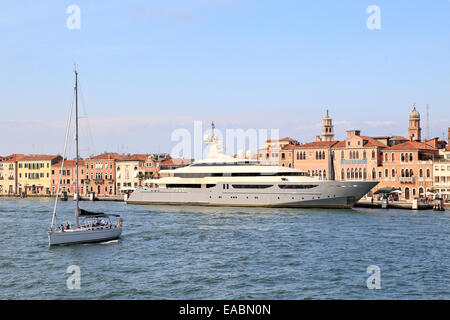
(222, 180)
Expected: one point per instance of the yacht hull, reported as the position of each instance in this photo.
(83, 236)
(327, 194)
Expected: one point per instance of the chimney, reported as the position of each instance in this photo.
(319, 139)
(351, 133)
(448, 138)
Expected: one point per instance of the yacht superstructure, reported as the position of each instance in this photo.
(222, 180)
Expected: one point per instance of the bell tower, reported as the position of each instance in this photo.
(414, 129)
(327, 129)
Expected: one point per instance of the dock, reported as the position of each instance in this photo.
(393, 205)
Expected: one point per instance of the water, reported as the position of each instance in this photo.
(228, 253)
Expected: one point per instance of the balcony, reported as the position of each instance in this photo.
(406, 179)
(99, 181)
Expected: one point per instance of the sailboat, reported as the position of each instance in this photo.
(90, 226)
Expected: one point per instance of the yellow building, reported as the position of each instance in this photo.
(8, 174)
(34, 174)
(128, 172)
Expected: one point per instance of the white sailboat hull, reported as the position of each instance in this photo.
(83, 235)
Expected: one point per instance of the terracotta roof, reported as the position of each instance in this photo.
(371, 142)
(284, 139)
(13, 157)
(318, 144)
(107, 156)
(399, 138)
(134, 157)
(447, 148)
(367, 142)
(70, 163)
(411, 145)
(39, 157)
(288, 146)
(287, 139)
(177, 161)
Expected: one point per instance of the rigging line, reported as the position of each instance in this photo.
(69, 120)
(89, 132)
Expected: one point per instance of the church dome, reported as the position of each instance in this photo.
(414, 114)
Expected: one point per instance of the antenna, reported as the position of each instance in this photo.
(428, 122)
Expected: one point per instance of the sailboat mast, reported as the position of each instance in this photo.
(76, 143)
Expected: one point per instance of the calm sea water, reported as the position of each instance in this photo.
(228, 253)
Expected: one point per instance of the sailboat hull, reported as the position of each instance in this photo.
(83, 236)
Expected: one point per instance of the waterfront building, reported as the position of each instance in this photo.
(314, 157)
(151, 166)
(68, 176)
(277, 152)
(8, 174)
(34, 174)
(441, 173)
(100, 174)
(129, 173)
(409, 167)
(358, 157)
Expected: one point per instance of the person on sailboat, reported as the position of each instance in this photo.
(67, 225)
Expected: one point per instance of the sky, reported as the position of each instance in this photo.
(148, 68)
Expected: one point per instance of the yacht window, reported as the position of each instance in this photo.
(297, 186)
(183, 185)
(251, 186)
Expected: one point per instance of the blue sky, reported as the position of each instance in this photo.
(149, 67)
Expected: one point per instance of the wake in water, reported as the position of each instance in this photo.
(111, 241)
